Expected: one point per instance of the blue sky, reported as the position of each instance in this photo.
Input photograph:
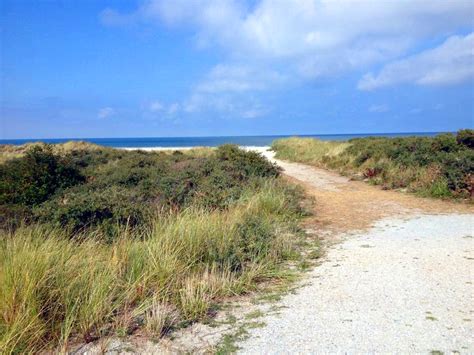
(196, 67)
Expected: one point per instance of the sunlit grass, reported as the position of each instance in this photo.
(437, 166)
(9, 151)
(307, 150)
(54, 288)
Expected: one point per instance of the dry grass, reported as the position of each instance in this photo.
(159, 318)
(306, 150)
(200, 152)
(8, 151)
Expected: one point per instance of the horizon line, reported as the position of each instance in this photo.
(227, 136)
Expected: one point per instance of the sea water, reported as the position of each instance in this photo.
(258, 141)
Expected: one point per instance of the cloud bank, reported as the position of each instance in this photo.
(450, 63)
(269, 43)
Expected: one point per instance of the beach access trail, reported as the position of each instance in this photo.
(396, 277)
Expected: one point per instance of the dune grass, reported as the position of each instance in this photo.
(307, 150)
(440, 166)
(8, 151)
(55, 289)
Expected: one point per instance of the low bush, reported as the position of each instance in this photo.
(34, 178)
(466, 137)
(106, 188)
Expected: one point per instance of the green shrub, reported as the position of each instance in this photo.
(466, 137)
(34, 178)
(109, 239)
(30, 180)
(255, 235)
(455, 161)
(439, 188)
(445, 143)
(106, 188)
(82, 208)
(245, 163)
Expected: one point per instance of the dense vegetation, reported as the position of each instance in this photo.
(98, 241)
(108, 188)
(440, 166)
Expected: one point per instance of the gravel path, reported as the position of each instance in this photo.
(405, 285)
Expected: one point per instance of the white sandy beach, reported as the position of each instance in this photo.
(260, 149)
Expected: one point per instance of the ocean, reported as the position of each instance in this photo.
(258, 141)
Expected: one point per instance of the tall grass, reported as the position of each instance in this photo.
(307, 150)
(438, 166)
(54, 288)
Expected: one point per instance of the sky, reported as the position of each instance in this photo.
(162, 68)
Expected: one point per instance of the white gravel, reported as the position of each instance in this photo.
(406, 286)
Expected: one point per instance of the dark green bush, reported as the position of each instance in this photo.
(31, 180)
(246, 163)
(106, 188)
(466, 137)
(255, 238)
(445, 143)
(457, 169)
(34, 178)
(453, 154)
(82, 208)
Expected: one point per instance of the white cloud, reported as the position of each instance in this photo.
(254, 112)
(312, 37)
(201, 102)
(173, 108)
(450, 63)
(105, 112)
(228, 88)
(228, 105)
(159, 110)
(155, 106)
(239, 78)
(378, 108)
(268, 43)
